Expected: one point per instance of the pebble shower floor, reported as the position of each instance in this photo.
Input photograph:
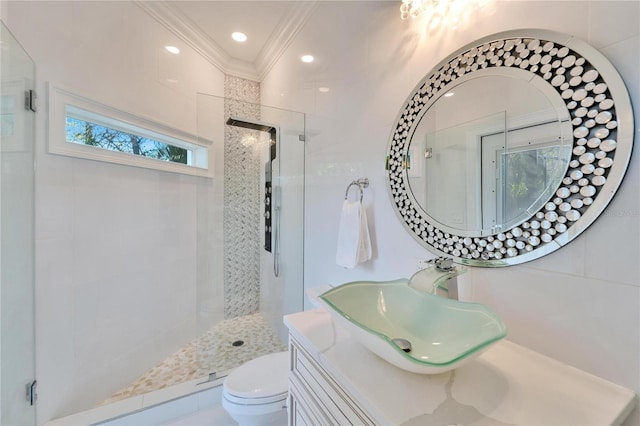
(214, 351)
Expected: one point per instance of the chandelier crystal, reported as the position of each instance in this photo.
(414, 8)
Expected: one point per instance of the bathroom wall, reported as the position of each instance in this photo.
(580, 304)
(117, 268)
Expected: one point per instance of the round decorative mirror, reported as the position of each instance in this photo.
(510, 148)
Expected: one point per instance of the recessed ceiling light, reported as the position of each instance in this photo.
(172, 49)
(323, 89)
(307, 58)
(239, 37)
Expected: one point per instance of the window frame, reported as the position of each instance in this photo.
(63, 101)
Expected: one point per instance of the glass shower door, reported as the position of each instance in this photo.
(250, 247)
(16, 233)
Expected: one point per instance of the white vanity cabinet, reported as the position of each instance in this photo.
(333, 380)
(315, 398)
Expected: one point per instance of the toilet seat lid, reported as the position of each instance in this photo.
(262, 377)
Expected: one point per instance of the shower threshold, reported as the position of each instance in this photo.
(113, 413)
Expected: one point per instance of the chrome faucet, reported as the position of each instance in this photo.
(443, 264)
(439, 278)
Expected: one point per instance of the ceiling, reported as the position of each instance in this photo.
(206, 26)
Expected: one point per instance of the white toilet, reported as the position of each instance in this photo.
(256, 392)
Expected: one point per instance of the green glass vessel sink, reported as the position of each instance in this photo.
(388, 317)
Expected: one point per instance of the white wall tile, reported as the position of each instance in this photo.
(612, 21)
(612, 240)
(54, 177)
(587, 323)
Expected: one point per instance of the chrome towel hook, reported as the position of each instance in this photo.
(360, 183)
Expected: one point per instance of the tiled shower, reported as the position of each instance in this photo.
(246, 323)
(241, 329)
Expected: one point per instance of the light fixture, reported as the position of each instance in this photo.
(307, 58)
(450, 14)
(323, 89)
(239, 37)
(172, 49)
(414, 8)
(411, 8)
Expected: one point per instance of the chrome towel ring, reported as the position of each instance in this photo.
(360, 183)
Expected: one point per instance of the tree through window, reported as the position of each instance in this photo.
(92, 134)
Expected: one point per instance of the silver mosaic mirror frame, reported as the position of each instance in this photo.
(602, 121)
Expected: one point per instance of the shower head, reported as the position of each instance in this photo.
(250, 124)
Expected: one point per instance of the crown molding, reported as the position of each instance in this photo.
(288, 28)
(182, 27)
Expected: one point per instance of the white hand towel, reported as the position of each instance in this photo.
(364, 246)
(354, 245)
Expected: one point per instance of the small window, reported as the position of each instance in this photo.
(93, 134)
(83, 128)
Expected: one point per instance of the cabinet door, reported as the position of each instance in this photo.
(319, 394)
(300, 413)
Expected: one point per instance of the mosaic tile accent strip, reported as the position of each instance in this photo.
(211, 352)
(242, 202)
(241, 89)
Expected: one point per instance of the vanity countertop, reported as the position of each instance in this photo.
(507, 385)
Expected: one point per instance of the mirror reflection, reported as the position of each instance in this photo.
(489, 153)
